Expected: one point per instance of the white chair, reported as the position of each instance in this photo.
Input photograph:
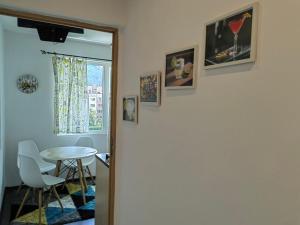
(82, 142)
(32, 177)
(28, 147)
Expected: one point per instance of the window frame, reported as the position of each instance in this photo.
(105, 96)
(106, 100)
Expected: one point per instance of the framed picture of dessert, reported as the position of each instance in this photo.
(231, 38)
(180, 68)
(150, 89)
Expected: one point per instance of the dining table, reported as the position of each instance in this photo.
(75, 153)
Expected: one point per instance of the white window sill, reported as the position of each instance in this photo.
(88, 133)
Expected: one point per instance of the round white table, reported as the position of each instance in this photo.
(77, 153)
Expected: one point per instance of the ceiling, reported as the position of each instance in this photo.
(10, 24)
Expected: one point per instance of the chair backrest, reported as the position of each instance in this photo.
(30, 172)
(85, 142)
(29, 148)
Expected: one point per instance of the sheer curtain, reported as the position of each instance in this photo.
(70, 97)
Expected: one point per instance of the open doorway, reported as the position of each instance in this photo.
(75, 97)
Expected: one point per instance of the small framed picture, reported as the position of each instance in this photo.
(231, 39)
(150, 89)
(130, 108)
(180, 68)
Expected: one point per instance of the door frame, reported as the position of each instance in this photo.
(114, 82)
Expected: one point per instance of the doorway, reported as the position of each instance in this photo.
(112, 84)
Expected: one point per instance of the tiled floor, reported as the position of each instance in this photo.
(10, 196)
(6, 206)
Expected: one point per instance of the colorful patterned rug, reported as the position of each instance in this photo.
(71, 198)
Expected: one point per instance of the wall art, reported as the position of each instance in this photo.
(130, 108)
(27, 83)
(150, 89)
(180, 68)
(231, 39)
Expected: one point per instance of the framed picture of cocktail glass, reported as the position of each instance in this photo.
(150, 89)
(130, 108)
(231, 38)
(180, 68)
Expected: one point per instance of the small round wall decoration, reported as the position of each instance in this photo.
(27, 83)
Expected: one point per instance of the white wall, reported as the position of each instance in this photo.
(112, 12)
(2, 119)
(227, 152)
(30, 116)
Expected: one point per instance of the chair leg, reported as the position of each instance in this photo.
(40, 205)
(45, 203)
(69, 173)
(92, 178)
(33, 195)
(20, 187)
(67, 177)
(49, 196)
(58, 199)
(22, 203)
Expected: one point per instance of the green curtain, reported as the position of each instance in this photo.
(70, 97)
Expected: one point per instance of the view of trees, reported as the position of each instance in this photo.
(95, 120)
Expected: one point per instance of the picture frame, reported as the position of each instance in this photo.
(150, 89)
(231, 39)
(181, 68)
(27, 84)
(130, 108)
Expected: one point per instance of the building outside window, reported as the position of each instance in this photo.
(95, 74)
(98, 79)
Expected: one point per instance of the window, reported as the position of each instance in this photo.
(95, 72)
(82, 95)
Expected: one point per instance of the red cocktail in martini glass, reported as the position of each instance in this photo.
(235, 27)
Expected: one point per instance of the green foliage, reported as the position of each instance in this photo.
(95, 120)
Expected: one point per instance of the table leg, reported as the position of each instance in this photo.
(81, 180)
(91, 176)
(57, 169)
(84, 179)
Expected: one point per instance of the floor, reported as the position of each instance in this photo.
(86, 222)
(10, 196)
(6, 207)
